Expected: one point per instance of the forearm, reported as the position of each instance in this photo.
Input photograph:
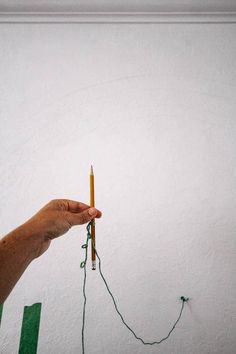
(17, 250)
(32, 239)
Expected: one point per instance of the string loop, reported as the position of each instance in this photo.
(83, 265)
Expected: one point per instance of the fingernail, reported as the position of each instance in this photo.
(92, 211)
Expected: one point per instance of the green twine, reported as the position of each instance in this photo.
(1, 308)
(83, 265)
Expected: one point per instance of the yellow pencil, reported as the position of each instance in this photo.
(92, 204)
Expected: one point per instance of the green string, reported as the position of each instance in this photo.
(83, 265)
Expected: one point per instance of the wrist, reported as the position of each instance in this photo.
(27, 234)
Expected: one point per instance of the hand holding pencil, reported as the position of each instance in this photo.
(31, 239)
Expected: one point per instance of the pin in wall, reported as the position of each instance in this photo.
(184, 299)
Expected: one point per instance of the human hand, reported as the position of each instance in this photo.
(56, 218)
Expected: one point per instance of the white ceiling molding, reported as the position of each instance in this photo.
(117, 6)
(118, 11)
(134, 17)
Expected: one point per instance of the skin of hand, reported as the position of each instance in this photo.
(31, 239)
(57, 217)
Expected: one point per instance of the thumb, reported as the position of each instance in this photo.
(83, 217)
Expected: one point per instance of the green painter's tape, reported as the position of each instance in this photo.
(30, 329)
(1, 307)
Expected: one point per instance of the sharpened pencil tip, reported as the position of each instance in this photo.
(91, 172)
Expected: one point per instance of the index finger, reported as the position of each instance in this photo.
(73, 206)
(76, 207)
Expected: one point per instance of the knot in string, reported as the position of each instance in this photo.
(184, 299)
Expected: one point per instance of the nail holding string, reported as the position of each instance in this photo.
(184, 299)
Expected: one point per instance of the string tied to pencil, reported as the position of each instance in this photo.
(182, 298)
(85, 245)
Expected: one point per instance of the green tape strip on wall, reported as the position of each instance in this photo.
(1, 307)
(30, 329)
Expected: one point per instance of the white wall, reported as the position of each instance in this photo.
(153, 108)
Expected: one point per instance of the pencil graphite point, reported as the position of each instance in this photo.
(91, 170)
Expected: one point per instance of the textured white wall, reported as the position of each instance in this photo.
(153, 108)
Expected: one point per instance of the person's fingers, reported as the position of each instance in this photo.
(84, 216)
(72, 205)
(69, 205)
(75, 207)
(99, 214)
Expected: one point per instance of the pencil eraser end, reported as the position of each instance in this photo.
(93, 265)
